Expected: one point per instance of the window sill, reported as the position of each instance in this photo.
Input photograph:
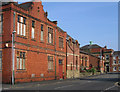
(33, 39)
(42, 42)
(61, 47)
(21, 36)
(21, 71)
(51, 70)
(50, 44)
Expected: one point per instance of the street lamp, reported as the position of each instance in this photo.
(13, 55)
(13, 49)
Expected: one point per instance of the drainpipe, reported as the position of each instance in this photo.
(66, 57)
(73, 59)
(55, 56)
(13, 50)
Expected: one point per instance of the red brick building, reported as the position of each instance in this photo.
(102, 52)
(72, 51)
(115, 64)
(40, 46)
(84, 60)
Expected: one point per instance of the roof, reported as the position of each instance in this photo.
(90, 46)
(59, 29)
(83, 52)
(26, 5)
(5, 3)
(116, 53)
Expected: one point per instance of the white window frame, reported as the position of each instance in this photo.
(33, 33)
(42, 35)
(21, 19)
(50, 40)
(119, 68)
(118, 61)
(114, 57)
(24, 30)
(21, 29)
(114, 68)
(1, 23)
(114, 62)
(18, 28)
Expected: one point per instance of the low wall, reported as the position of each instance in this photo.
(70, 74)
(85, 74)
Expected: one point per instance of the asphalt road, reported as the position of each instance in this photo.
(101, 83)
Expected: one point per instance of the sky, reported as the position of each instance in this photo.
(87, 21)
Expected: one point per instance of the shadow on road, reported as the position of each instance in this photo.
(114, 77)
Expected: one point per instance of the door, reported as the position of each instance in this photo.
(60, 69)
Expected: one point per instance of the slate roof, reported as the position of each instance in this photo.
(90, 46)
(116, 53)
(59, 29)
(25, 5)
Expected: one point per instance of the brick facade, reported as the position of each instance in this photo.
(84, 60)
(115, 64)
(73, 64)
(31, 54)
(102, 52)
(43, 51)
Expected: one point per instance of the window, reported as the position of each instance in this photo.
(118, 57)
(20, 60)
(76, 63)
(71, 66)
(114, 57)
(114, 68)
(118, 61)
(1, 23)
(82, 60)
(107, 57)
(60, 61)
(33, 30)
(60, 42)
(21, 25)
(114, 62)
(42, 32)
(50, 35)
(50, 62)
(33, 24)
(85, 61)
(119, 68)
(0, 60)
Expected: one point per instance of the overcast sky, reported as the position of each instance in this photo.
(87, 21)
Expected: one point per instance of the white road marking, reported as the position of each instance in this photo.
(89, 81)
(5, 88)
(63, 86)
(110, 88)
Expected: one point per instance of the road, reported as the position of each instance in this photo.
(102, 83)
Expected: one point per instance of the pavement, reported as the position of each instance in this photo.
(94, 82)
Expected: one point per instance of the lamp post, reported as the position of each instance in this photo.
(13, 50)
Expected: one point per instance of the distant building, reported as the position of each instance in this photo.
(115, 64)
(101, 52)
(84, 60)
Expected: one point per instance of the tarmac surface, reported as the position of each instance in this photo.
(102, 83)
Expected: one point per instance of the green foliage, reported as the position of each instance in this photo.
(93, 70)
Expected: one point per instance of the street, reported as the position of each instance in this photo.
(100, 82)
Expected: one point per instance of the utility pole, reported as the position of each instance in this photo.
(13, 50)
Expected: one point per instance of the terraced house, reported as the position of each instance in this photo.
(33, 47)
